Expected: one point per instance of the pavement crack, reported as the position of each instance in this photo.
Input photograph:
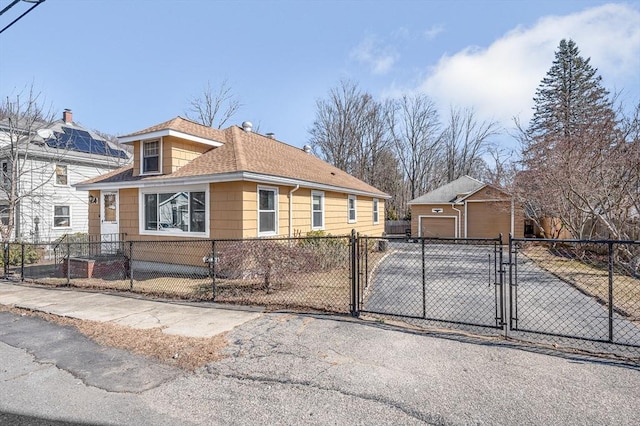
(432, 419)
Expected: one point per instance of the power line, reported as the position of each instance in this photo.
(37, 3)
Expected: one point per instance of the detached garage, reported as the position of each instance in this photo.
(465, 208)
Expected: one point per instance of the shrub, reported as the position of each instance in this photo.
(15, 254)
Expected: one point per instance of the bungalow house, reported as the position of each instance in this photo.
(466, 208)
(190, 181)
(40, 162)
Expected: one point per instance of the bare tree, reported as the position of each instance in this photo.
(415, 131)
(21, 117)
(464, 141)
(214, 107)
(350, 131)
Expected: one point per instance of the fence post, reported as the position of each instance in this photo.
(68, 263)
(130, 265)
(22, 261)
(354, 274)
(424, 283)
(513, 301)
(610, 244)
(5, 256)
(213, 270)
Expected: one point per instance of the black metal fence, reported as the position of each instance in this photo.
(583, 294)
(575, 294)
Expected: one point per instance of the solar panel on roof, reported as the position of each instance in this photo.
(82, 141)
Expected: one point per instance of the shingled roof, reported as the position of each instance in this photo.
(451, 192)
(243, 155)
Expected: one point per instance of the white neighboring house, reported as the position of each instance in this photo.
(52, 159)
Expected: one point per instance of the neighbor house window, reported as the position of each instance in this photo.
(376, 214)
(352, 208)
(267, 211)
(61, 175)
(317, 210)
(151, 157)
(4, 213)
(5, 179)
(61, 216)
(181, 211)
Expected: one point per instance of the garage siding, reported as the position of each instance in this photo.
(488, 219)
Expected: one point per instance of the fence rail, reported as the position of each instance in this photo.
(576, 294)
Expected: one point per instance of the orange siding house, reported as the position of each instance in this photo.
(466, 208)
(189, 181)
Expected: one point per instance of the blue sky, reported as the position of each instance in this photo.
(124, 65)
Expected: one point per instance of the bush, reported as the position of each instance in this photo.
(15, 254)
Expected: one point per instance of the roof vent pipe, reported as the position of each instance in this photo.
(247, 126)
(307, 149)
(270, 135)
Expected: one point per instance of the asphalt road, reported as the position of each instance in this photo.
(300, 369)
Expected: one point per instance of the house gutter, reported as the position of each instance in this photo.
(459, 220)
(291, 209)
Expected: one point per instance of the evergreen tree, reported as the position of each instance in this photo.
(570, 106)
(573, 151)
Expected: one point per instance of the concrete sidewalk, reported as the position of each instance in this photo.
(206, 320)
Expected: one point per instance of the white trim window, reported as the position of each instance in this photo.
(4, 213)
(181, 211)
(267, 211)
(5, 178)
(352, 214)
(62, 216)
(317, 210)
(376, 211)
(62, 178)
(150, 156)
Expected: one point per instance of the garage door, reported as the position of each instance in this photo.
(488, 219)
(438, 227)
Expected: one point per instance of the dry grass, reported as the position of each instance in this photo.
(185, 352)
(590, 279)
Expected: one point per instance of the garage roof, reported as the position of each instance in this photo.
(451, 192)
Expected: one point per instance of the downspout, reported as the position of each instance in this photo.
(513, 218)
(459, 219)
(291, 209)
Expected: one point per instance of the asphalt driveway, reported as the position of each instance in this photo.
(459, 290)
(458, 283)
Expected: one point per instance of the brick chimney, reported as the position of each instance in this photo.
(67, 116)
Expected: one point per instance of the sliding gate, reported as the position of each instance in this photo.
(433, 280)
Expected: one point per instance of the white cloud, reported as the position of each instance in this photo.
(433, 32)
(500, 81)
(380, 59)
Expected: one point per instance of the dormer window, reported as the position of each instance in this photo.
(151, 157)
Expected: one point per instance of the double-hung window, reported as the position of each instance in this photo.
(376, 214)
(61, 216)
(5, 179)
(317, 210)
(151, 157)
(175, 212)
(61, 175)
(267, 211)
(4, 213)
(351, 203)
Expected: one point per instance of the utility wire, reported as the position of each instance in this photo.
(21, 16)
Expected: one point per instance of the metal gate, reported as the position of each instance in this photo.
(448, 281)
(575, 293)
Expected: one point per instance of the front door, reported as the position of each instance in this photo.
(109, 228)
